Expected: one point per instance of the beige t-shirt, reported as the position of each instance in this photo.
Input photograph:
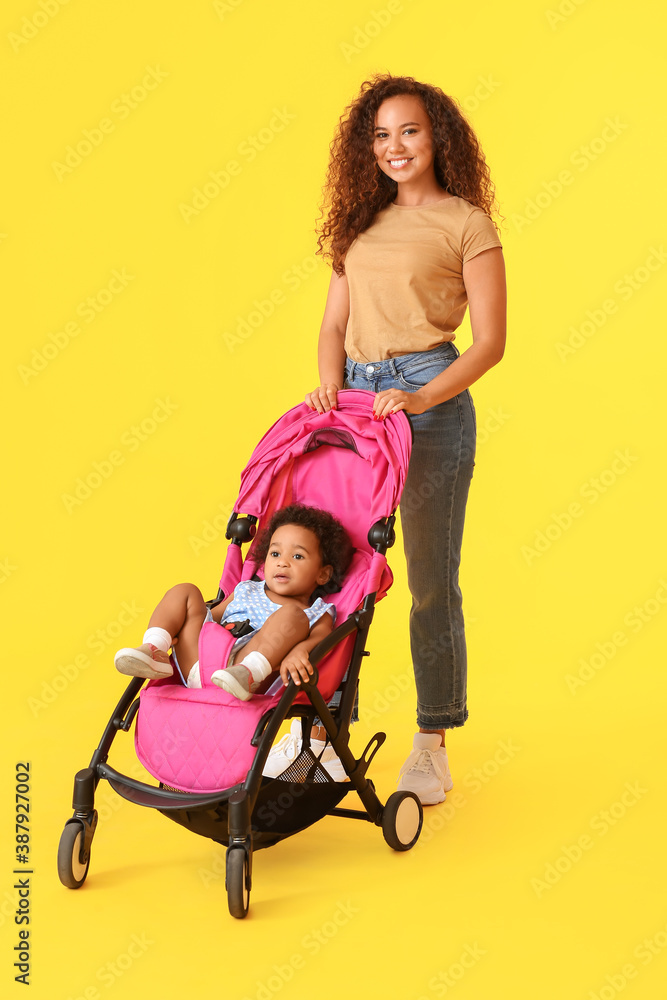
(405, 275)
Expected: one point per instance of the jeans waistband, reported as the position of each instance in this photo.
(391, 366)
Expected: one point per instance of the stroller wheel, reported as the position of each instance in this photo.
(238, 881)
(402, 819)
(72, 871)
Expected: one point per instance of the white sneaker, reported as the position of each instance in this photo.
(288, 749)
(139, 662)
(426, 771)
(329, 760)
(284, 752)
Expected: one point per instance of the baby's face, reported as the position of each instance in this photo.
(293, 566)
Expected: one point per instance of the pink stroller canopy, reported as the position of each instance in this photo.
(342, 461)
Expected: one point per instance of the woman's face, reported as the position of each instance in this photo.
(403, 144)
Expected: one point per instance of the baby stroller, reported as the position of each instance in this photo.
(207, 749)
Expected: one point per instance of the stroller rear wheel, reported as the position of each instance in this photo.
(402, 819)
(238, 881)
(72, 868)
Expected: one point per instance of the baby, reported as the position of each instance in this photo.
(306, 553)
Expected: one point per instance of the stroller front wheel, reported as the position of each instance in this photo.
(72, 870)
(402, 819)
(238, 881)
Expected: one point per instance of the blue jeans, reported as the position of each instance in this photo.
(432, 510)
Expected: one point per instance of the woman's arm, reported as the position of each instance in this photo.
(297, 664)
(331, 349)
(484, 279)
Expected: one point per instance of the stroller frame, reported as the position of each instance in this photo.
(258, 811)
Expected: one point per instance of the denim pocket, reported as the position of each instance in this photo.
(418, 374)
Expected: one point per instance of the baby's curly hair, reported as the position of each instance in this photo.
(336, 548)
(356, 189)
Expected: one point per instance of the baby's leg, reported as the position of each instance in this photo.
(264, 652)
(281, 632)
(180, 614)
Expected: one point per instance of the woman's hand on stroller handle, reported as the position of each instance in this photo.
(323, 398)
(392, 400)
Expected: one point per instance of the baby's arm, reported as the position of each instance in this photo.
(296, 665)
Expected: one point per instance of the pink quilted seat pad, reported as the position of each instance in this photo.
(198, 741)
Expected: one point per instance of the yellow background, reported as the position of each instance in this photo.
(564, 538)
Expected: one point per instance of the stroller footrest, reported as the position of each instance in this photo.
(158, 798)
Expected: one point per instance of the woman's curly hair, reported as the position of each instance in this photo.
(356, 189)
(336, 549)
